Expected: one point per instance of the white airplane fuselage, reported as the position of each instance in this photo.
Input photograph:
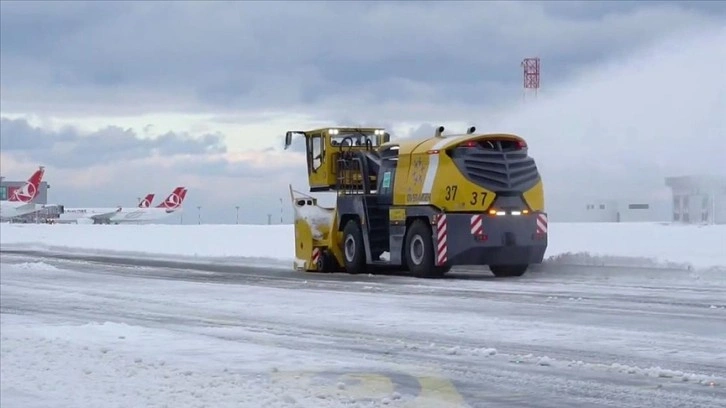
(114, 214)
(79, 213)
(140, 215)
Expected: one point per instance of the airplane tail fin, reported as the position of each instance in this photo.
(30, 189)
(174, 200)
(146, 202)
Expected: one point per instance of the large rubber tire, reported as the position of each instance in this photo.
(419, 251)
(327, 263)
(354, 252)
(508, 271)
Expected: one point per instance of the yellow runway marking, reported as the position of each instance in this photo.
(435, 392)
(369, 385)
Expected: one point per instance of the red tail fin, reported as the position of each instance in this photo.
(146, 202)
(174, 200)
(29, 190)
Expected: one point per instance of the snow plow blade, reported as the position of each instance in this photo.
(314, 230)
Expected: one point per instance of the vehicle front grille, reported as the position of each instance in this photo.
(497, 170)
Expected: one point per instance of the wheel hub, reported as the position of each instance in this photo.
(417, 250)
(349, 248)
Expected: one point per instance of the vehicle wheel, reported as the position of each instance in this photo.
(353, 249)
(327, 262)
(419, 251)
(506, 271)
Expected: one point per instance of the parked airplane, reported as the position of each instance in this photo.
(108, 215)
(20, 201)
(101, 215)
(55, 212)
(172, 204)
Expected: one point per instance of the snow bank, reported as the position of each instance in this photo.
(638, 244)
(627, 244)
(206, 241)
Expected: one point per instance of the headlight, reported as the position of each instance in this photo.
(333, 131)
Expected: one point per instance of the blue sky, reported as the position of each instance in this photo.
(121, 99)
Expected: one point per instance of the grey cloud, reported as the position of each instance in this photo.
(596, 9)
(68, 148)
(19, 135)
(422, 131)
(173, 143)
(298, 144)
(225, 56)
(220, 167)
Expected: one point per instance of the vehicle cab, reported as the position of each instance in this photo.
(323, 148)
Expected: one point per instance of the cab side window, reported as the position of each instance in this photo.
(316, 150)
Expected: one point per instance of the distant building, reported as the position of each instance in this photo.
(610, 210)
(643, 211)
(698, 199)
(600, 211)
(8, 187)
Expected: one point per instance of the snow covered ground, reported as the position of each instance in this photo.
(80, 334)
(213, 329)
(642, 244)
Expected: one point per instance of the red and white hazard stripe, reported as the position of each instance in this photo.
(477, 225)
(541, 223)
(315, 257)
(441, 244)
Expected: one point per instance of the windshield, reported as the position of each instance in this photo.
(357, 139)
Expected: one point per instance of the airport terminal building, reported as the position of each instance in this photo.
(8, 187)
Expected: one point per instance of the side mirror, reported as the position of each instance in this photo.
(386, 137)
(288, 139)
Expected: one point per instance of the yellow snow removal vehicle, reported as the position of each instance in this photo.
(422, 205)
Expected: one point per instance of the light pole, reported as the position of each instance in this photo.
(269, 219)
(236, 207)
(199, 214)
(280, 210)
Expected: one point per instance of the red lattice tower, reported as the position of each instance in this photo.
(531, 74)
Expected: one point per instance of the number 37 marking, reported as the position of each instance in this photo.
(451, 193)
(478, 197)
